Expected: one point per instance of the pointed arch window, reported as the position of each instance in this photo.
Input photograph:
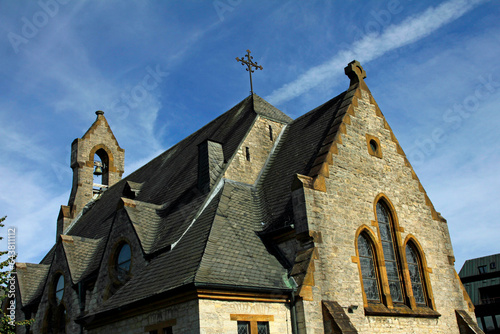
(386, 227)
(368, 271)
(414, 268)
(394, 274)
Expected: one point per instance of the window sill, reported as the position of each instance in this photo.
(400, 311)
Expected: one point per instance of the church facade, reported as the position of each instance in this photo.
(254, 224)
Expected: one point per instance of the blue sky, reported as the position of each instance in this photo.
(432, 66)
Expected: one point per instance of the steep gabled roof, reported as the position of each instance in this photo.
(264, 108)
(206, 239)
(31, 278)
(234, 253)
(296, 154)
(170, 269)
(82, 254)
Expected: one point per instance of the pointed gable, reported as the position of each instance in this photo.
(31, 278)
(83, 255)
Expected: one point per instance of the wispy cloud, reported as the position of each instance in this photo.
(373, 45)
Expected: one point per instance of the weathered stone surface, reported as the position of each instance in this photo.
(253, 153)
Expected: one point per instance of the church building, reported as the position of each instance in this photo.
(255, 224)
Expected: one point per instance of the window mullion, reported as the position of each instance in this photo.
(253, 327)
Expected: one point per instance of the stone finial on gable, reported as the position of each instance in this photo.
(355, 72)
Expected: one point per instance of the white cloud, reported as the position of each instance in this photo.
(31, 206)
(372, 46)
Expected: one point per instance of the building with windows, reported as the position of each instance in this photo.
(254, 224)
(481, 279)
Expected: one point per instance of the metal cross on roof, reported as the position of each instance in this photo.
(249, 64)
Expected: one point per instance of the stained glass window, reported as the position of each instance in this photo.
(415, 275)
(368, 272)
(392, 268)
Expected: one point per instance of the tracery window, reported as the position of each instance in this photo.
(394, 274)
(368, 271)
(385, 224)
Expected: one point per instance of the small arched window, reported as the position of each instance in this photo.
(123, 261)
(368, 270)
(414, 267)
(59, 288)
(385, 224)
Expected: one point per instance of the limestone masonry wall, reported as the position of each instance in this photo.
(258, 145)
(356, 179)
(186, 318)
(215, 316)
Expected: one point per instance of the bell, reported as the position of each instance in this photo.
(98, 171)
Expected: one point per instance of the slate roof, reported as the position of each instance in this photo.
(296, 153)
(31, 278)
(207, 239)
(82, 254)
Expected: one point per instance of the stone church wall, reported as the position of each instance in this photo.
(215, 316)
(355, 180)
(259, 144)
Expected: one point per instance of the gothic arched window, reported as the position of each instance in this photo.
(386, 227)
(414, 267)
(368, 270)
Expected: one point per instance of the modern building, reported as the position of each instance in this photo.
(481, 279)
(254, 224)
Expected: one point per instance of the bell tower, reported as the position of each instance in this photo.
(97, 161)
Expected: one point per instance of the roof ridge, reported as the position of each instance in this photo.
(320, 106)
(266, 109)
(172, 149)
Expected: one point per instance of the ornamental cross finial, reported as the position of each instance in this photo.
(249, 62)
(355, 71)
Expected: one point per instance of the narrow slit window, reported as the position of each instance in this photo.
(271, 133)
(247, 152)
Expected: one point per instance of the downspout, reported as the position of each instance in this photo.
(290, 282)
